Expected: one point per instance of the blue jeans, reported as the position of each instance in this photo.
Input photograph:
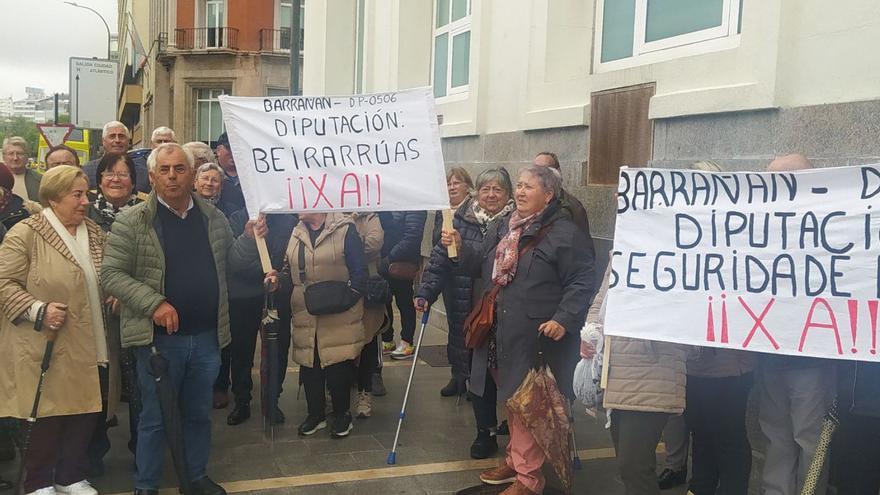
(194, 361)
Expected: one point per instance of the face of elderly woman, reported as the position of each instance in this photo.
(70, 208)
(530, 196)
(116, 184)
(458, 190)
(208, 184)
(492, 197)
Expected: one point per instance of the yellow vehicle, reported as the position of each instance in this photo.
(78, 140)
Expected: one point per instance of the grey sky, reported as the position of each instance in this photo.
(38, 37)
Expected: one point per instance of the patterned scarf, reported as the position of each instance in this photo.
(5, 198)
(108, 211)
(484, 218)
(507, 252)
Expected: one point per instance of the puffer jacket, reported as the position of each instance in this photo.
(403, 235)
(134, 268)
(442, 275)
(643, 375)
(372, 236)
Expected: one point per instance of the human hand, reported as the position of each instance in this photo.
(552, 330)
(256, 228)
(112, 305)
(421, 304)
(166, 316)
(53, 320)
(270, 282)
(450, 238)
(588, 350)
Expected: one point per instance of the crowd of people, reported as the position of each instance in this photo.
(138, 268)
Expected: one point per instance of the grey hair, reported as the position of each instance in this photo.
(162, 130)
(209, 167)
(167, 148)
(549, 178)
(498, 175)
(112, 125)
(201, 151)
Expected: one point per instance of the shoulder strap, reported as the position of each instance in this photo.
(536, 239)
(302, 262)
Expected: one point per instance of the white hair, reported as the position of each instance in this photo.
(168, 148)
(162, 130)
(113, 125)
(201, 151)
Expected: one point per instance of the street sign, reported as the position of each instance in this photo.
(92, 92)
(55, 134)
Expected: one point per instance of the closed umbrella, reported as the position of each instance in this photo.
(539, 405)
(817, 466)
(172, 422)
(270, 376)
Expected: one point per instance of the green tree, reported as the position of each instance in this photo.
(19, 126)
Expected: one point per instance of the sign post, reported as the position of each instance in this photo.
(92, 92)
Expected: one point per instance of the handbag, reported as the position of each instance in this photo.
(378, 291)
(403, 270)
(481, 319)
(327, 297)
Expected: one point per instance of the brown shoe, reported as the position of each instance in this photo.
(498, 475)
(221, 399)
(517, 488)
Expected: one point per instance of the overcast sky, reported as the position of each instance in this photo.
(38, 37)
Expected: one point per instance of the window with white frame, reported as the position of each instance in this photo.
(285, 18)
(215, 23)
(631, 32)
(359, 46)
(452, 47)
(209, 119)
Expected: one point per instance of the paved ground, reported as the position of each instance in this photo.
(432, 459)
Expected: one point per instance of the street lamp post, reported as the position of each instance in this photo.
(102, 20)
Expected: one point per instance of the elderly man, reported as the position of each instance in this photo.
(116, 139)
(165, 261)
(231, 193)
(27, 182)
(795, 395)
(61, 155)
(162, 135)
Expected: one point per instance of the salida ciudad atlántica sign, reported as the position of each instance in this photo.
(784, 263)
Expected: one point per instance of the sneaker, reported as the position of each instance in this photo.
(378, 385)
(363, 405)
(498, 475)
(387, 347)
(404, 350)
(341, 425)
(485, 445)
(311, 425)
(49, 490)
(79, 488)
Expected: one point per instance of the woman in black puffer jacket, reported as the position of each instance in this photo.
(472, 219)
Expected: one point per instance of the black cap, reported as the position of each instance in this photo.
(223, 139)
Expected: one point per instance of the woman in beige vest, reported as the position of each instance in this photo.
(49, 271)
(326, 248)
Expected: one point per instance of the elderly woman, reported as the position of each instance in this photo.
(459, 185)
(543, 268)
(209, 185)
(325, 249)
(49, 269)
(115, 193)
(472, 220)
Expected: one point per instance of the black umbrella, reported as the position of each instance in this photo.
(171, 419)
(270, 377)
(26, 435)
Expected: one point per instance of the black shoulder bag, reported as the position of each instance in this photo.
(327, 297)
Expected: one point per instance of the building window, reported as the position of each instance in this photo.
(215, 23)
(285, 18)
(452, 46)
(645, 31)
(359, 47)
(209, 119)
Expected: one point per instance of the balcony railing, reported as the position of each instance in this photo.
(277, 40)
(209, 38)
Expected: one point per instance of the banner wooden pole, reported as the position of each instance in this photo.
(447, 225)
(264, 253)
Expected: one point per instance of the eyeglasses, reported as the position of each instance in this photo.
(116, 175)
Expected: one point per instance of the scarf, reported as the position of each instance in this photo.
(484, 218)
(507, 252)
(106, 209)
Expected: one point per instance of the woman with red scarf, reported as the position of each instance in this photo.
(544, 267)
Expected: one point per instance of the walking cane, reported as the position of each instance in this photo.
(575, 458)
(392, 456)
(26, 436)
(817, 465)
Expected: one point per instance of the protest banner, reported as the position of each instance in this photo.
(298, 154)
(784, 263)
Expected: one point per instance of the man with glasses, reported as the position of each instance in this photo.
(61, 155)
(27, 182)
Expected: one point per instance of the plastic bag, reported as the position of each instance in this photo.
(588, 372)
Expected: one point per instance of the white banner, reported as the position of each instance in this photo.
(784, 263)
(377, 152)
